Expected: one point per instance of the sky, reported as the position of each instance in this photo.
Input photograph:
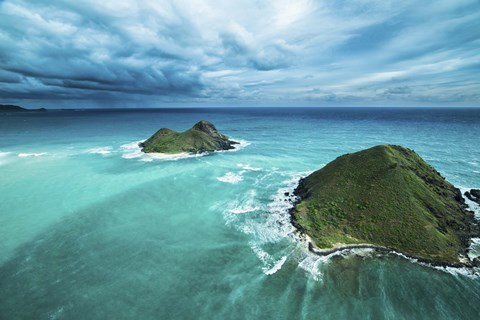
(240, 53)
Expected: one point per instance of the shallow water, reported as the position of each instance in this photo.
(92, 229)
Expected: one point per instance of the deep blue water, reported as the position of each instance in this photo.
(92, 229)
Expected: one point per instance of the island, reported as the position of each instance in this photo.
(387, 198)
(7, 108)
(202, 137)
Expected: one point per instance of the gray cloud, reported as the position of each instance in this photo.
(398, 90)
(312, 52)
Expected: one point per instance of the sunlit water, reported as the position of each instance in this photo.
(92, 229)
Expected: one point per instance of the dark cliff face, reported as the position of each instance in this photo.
(202, 137)
(388, 196)
(209, 129)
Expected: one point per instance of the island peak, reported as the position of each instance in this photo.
(388, 197)
(202, 137)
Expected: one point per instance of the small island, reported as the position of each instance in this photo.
(202, 137)
(8, 108)
(388, 198)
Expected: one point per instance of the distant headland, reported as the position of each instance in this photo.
(7, 108)
(386, 198)
(202, 137)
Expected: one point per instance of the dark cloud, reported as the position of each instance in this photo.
(202, 51)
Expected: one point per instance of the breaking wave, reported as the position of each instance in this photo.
(265, 219)
(236, 147)
(131, 150)
(100, 150)
(25, 155)
(248, 167)
(231, 177)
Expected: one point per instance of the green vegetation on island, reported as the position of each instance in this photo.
(386, 196)
(202, 137)
(7, 108)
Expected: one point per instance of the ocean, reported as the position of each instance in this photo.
(91, 228)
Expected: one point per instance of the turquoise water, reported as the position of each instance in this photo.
(92, 229)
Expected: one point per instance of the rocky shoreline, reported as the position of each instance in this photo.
(473, 195)
(465, 262)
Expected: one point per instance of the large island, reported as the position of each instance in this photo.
(202, 137)
(386, 197)
(8, 108)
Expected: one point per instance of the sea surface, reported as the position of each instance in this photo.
(90, 228)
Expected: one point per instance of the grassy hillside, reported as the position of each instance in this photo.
(386, 195)
(202, 137)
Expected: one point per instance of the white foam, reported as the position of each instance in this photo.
(245, 209)
(277, 266)
(475, 207)
(236, 147)
(175, 156)
(266, 225)
(132, 150)
(231, 177)
(474, 249)
(100, 150)
(231, 212)
(277, 224)
(269, 224)
(311, 264)
(473, 273)
(24, 155)
(464, 271)
(248, 167)
(4, 154)
(261, 254)
(244, 205)
(270, 265)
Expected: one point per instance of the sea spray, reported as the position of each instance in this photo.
(273, 237)
(231, 177)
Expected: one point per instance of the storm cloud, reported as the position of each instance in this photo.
(154, 53)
